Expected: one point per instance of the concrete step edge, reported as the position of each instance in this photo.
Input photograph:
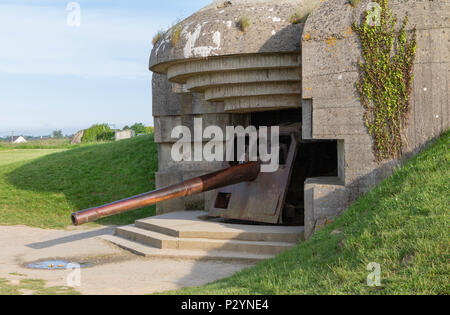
(163, 241)
(153, 252)
(288, 237)
(134, 229)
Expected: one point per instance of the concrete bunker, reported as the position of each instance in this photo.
(232, 77)
(280, 70)
(298, 74)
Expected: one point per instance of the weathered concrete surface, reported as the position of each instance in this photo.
(115, 271)
(248, 104)
(262, 78)
(171, 109)
(213, 31)
(325, 198)
(200, 83)
(188, 234)
(191, 225)
(123, 134)
(180, 71)
(330, 54)
(77, 137)
(212, 56)
(214, 69)
(187, 85)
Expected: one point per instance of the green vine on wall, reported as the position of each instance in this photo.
(386, 77)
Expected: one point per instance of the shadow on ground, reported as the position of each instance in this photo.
(72, 238)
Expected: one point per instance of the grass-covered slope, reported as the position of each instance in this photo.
(39, 144)
(42, 188)
(403, 225)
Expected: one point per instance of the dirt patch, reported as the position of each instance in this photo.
(113, 270)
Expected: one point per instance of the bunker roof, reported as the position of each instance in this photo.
(232, 28)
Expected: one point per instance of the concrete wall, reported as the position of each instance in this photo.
(221, 74)
(123, 134)
(332, 110)
(214, 31)
(173, 107)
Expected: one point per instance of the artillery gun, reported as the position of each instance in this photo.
(243, 192)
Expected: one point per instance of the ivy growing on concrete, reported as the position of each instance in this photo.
(386, 77)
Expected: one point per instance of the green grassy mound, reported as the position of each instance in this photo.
(39, 144)
(402, 225)
(34, 287)
(41, 188)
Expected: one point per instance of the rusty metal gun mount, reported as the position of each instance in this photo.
(263, 199)
(242, 191)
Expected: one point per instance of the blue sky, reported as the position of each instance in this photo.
(53, 76)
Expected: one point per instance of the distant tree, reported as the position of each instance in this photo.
(57, 134)
(139, 128)
(126, 128)
(96, 133)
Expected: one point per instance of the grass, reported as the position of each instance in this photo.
(20, 155)
(299, 17)
(402, 224)
(157, 37)
(39, 144)
(225, 4)
(35, 287)
(354, 3)
(41, 188)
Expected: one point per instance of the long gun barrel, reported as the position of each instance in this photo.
(233, 175)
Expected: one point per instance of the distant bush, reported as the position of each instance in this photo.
(140, 129)
(106, 136)
(57, 134)
(96, 133)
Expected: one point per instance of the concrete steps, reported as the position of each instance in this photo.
(219, 231)
(164, 241)
(151, 252)
(186, 235)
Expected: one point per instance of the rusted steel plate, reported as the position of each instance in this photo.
(263, 199)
